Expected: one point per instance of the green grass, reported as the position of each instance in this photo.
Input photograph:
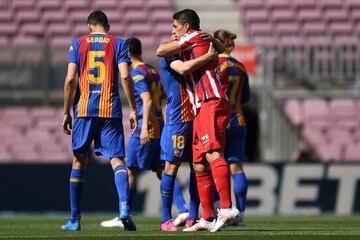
(272, 227)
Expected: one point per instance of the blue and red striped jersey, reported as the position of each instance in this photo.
(147, 79)
(178, 107)
(97, 56)
(235, 82)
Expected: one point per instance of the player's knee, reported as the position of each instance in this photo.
(211, 156)
(171, 168)
(236, 167)
(116, 162)
(202, 166)
(79, 161)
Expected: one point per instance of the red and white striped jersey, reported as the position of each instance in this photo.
(204, 83)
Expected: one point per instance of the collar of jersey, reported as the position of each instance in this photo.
(98, 33)
(191, 31)
(224, 55)
(139, 63)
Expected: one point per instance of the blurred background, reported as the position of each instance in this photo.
(303, 58)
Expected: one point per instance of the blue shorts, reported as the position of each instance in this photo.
(235, 144)
(176, 142)
(145, 157)
(107, 134)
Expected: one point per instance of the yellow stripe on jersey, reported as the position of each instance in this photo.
(104, 104)
(84, 95)
(224, 66)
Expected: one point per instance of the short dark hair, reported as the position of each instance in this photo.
(98, 17)
(188, 16)
(134, 45)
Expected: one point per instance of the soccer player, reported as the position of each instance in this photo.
(97, 58)
(235, 82)
(176, 138)
(212, 114)
(143, 150)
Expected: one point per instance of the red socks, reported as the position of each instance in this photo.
(221, 173)
(206, 193)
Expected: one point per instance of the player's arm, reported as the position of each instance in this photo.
(128, 88)
(168, 49)
(69, 87)
(218, 45)
(147, 104)
(187, 67)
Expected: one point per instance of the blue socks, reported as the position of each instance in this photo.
(166, 190)
(194, 198)
(122, 187)
(179, 198)
(240, 190)
(76, 189)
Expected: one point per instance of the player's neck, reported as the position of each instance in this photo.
(97, 30)
(136, 61)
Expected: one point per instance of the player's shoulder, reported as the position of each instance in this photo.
(142, 68)
(152, 70)
(239, 64)
(75, 41)
(137, 75)
(189, 36)
(118, 39)
(223, 57)
(139, 72)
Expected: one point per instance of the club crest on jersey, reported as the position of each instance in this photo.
(176, 153)
(205, 137)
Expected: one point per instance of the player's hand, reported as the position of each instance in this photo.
(133, 121)
(144, 136)
(67, 124)
(213, 55)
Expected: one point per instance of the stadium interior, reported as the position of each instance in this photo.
(305, 85)
(303, 118)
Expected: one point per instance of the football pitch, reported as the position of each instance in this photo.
(270, 227)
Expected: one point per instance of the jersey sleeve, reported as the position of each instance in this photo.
(170, 59)
(122, 54)
(73, 52)
(188, 40)
(140, 84)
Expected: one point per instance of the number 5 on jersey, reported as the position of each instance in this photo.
(94, 63)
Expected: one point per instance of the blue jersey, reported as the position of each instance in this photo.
(147, 79)
(235, 82)
(97, 56)
(178, 107)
